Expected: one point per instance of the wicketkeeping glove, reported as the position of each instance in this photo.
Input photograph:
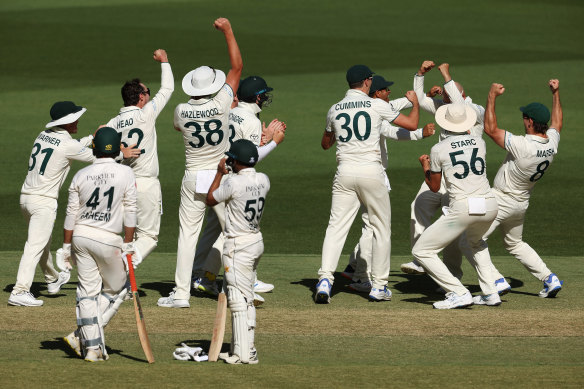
(186, 353)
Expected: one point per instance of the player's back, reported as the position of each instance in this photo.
(462, 160)
(528, 158)
(101, 189)
(356, 122)
(245, 124)
(204, 124)
(50, 160)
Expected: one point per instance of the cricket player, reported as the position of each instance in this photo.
(359, 267)
(50, 160)
(427, 203)
(102, 200)
(136, 122)
(204, 124)
(355, 123)
(244, 123)
(460, 159)
(528, 158)
(244, 194)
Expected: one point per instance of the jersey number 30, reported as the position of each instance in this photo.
(355, 129)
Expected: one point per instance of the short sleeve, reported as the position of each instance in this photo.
(329, 121)
(514, 144)
(385, 110)
(225, 97)
(554, 137)
(224, 192)
(435, 162)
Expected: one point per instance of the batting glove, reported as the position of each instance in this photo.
(186, 353)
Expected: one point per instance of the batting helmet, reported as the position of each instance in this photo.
(244, 151)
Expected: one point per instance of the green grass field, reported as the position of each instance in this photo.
(84, 51)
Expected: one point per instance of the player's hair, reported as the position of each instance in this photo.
(540, 128)
(131, 92)
(99, 154)
(356, 84)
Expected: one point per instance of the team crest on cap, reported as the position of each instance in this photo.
(108, 147)
(252, 160)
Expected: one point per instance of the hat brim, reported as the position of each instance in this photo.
(383, 85)
(190, 90)
(72, 117)
(440, 117)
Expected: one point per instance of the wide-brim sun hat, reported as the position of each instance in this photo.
(203, 81)
(456, 117)
(64, 112)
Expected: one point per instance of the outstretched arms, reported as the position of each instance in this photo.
(223, 25)
(491, 129)
(557, 114)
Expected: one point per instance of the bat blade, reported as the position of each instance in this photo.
(218, 328)
(142, 334)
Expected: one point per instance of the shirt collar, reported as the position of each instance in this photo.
(535, 138)
(199, 101)
(247, 170)
(128, 109)
(59, 131)
(251, 107)
(99, 161)
(356, 92)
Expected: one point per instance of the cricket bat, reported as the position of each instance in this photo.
(144, 341)
(218, 328)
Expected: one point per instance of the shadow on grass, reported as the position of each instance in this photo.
(60, 344)
(340, 285)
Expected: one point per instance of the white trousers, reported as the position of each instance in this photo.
(360, 258)
(210, 246)
(149, 204)
(423, 209)
(101, 275)
(191, 214)
(447, 229)
(350, 189)
(40, 213)
(510, 219)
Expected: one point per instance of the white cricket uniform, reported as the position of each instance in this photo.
(50, 160)
(204, 124)
(528, 158)
(244, 194)
(426, 202)
(137, 126)
(102, 199)
(360, 258)
(472, 208)
(360, 179)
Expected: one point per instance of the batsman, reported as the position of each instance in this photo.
(244, 194)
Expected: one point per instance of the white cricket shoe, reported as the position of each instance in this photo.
(24, 299)
(171, 302)
(363, 287)
(233, 359)
(412, 268)
(551, 286)
(95, 355)
(377, 294)
(492, 300)
(502, 286)
(73, 341)
(55, 287)
(323, 291)
(258, 300)
(262, 287)
(454, 301)
(205, 285)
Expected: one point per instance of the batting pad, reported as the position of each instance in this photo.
(238, 307)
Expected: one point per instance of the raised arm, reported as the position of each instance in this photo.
(427, 103)
(432, 179)
(166, 82)
(410, 122)
(491, 129)
(557, 114)
(223, 25)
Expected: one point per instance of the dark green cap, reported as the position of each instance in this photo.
(358, 73)
(63, 108)
(107, 141)
(244, 151)
(537, 111)
(379, 83)
(252, 86)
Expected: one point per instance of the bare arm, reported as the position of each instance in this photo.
(557, 114)
(234, 74)
(491, 129)
(129, 234)
(445, 71)
(328, 140)
(410, 122)
(432, 179)
(221, 171)
(67, 236)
